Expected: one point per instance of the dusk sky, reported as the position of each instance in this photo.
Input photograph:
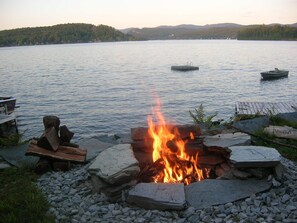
(138, 13)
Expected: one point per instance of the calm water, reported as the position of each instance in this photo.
(111, 87)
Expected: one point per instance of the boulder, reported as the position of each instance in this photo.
(116, 164)
(252, 125)
(282, 132)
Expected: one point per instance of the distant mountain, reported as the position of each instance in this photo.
(188, 31)
(63, 33)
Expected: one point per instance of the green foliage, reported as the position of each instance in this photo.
(275, 120)
(20, 199)
(266, 32)
(64, 33)
(11, 140)
(199, 116)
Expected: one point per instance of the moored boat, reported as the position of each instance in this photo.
(7, 104)
(184, 68)
(274, 74)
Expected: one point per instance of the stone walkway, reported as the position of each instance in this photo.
(72, 200)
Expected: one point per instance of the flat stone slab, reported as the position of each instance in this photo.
(93, 147)
(254, 156)
(227, 140)
(252, 125)
(282, 131)
(116, 164)
(158, 196)
(209, 192)
(15, 155)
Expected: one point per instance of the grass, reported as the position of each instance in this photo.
(11, 140)
(285, 151)
(20, 199)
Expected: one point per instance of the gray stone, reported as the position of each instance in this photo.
(279, 171)
(15, 155)
(93, 147)
(252, 125)
(254, 156)
(158, 196)
(4, 164)
(281, 131)
(206, 193)
(227, 140)
(116, 164)
(291, 117)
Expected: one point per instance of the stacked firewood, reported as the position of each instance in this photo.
(54, 148)
(54, 134)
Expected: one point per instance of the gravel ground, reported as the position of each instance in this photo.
(72, 200)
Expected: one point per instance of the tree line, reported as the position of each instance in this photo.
(268, 32)
(64, 33)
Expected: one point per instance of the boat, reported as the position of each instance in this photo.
(184, 68)
(7, 104)
(274, 74)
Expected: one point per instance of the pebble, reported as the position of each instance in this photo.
(70, 195)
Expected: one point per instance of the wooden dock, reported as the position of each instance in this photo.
(264, 108)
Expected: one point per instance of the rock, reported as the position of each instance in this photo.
(93, 147)
(240, 174)
(254, 156)
(116, 164)
(275, 183)
(206, 193)
(252, 125)
(279, 171)
(227, 140)
(158, 196)
(291, 116)
(281, 132)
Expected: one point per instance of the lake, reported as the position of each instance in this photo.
(97, 88)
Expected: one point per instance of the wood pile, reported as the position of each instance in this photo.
(54, 147)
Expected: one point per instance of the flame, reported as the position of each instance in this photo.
(169, 150)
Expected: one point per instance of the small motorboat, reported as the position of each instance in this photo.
(184, 68)
(7, 104)
(274, 74)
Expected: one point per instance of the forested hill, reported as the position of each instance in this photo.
(64, 33)
(265, 32)
(217, 31)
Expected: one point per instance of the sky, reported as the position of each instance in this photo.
(122, 14)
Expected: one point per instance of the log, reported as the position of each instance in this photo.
(141, 133)
(63, 153)
(43, 165)
(49, 139)
(65, 134)
(51, 121)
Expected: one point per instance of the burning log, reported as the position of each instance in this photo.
(141, 133)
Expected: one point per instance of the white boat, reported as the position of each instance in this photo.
(7, 104)
(274, 74)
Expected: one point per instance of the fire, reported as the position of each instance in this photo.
(169, 150)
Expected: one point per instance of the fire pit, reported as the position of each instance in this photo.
(169, 166)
